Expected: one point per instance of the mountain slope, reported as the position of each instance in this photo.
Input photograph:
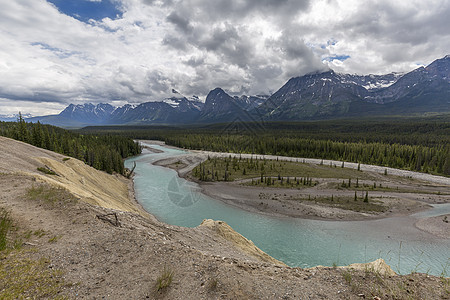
(313, 96)
(221, 107)
(330, 95)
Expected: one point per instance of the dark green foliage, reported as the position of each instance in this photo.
(418, 144)
(103, 152)
(46, 171)
(366, 198)
(5, 227)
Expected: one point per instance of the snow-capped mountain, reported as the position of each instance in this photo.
(250, 102)
(13, 117)
(184, 104)
(88, 113)
(330, 94)
(312, 96)
(221, 107)
(174, 110)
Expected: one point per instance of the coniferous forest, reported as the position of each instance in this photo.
(104, 152)
(417, 144)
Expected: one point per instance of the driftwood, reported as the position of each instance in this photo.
(111, 218)
(47, 170)
(131, 171)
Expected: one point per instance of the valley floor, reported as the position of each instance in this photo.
(94, 255)
(403, 192)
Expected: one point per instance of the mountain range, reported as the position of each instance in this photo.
(323, 95)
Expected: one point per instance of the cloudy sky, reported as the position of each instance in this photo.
(57, 52)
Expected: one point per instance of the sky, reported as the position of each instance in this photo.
(57, 52)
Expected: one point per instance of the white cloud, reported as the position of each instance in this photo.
(11, 107)
(195, 45)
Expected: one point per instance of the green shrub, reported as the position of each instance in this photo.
(5, 227)
(164, 279)
(46, 171)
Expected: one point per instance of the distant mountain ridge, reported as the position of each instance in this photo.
(13, 117)
(329, 94)
(313, 96)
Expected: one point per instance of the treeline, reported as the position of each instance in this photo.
(104, 152)
(434, 159)
(414, 144)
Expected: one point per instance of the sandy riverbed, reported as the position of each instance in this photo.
(425, 189)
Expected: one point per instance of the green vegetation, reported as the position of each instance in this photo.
(53, 239)
(269, 172)
(283, 182)
(50, 195)
(347, 277)
(22, 277)
(164, 279)
(358, 204)
(105, 152)
(5, 227)
(381, 188)
(418, 144)
(25, 278)
(46, 171)
(212, 284)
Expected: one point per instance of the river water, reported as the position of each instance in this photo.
(296, 242)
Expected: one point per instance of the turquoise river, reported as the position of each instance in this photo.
(296, 242)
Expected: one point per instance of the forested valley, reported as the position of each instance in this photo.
(417, 144)
(104, 152)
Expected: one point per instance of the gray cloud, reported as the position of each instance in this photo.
(175, 42)
(251, 46)
(194, 61)
(181, 22)
(220, 10)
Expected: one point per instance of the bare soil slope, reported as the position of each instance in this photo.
(100, 256)
(92, 186)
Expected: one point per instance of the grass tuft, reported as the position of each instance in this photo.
(5, 226)
(212, 284)
(46, 171)
(50, 194)
(164, 279)
(53, 239)
(374, 206)
(347, 277)
(25, 278)
(22, 277)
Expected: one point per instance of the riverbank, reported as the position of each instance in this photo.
(401, 195)
(63, 246)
